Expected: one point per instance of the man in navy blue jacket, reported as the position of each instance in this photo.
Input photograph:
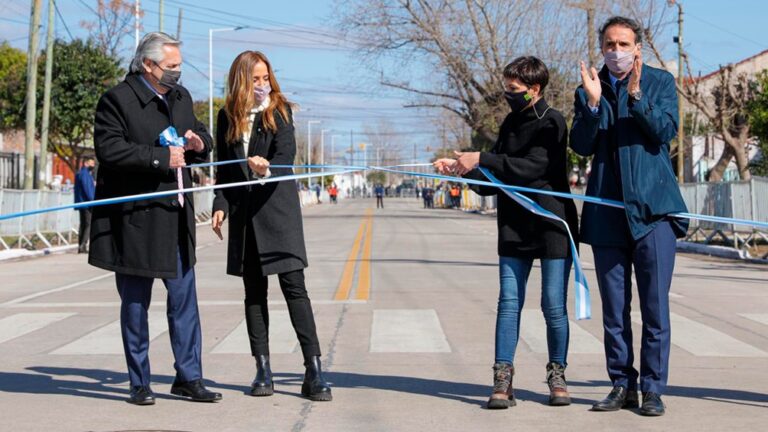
(625, 117)
(85, 188)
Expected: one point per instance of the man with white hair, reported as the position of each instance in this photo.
(145, 134)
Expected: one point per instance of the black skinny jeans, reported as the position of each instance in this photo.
(257, 311)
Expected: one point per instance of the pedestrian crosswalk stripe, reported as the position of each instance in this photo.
(20, 324)
(761, 318)
(282, 337)
(533, 331)
(407, 331)
(109, 340)
(702, 340)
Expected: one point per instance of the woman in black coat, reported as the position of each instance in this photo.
(530, 152)
(265, 229)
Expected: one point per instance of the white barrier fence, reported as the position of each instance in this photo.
(59, 228)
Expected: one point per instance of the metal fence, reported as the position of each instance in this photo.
(59, 226)
(741, 200)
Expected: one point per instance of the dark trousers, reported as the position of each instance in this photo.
(85, 229)
(257, 310)
(379, 201)
(653, 258)
(183, 324)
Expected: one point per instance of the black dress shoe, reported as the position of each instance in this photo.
(652, 405)
(194, 391)
(618, 398)
(263, 385)
(314, 386)
(141, 396)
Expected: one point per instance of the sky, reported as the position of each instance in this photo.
(324, 76)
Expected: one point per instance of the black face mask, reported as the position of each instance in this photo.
(170, 78)
(517, 101)
(90, 168)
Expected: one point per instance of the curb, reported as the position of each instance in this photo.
(717, 251)
(18, 254)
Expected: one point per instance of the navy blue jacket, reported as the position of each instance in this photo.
(85, 187)
(630, 144)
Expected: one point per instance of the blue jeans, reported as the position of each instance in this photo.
(513, 275)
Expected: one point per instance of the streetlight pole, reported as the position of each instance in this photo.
(137, 23)
(309, 144)
(210, 82)
(322, 156)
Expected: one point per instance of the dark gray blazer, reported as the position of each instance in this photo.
(273, 209)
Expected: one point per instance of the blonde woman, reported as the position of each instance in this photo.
(265, 227)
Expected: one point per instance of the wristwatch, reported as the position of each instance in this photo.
(636, 96)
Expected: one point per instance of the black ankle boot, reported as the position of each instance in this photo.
(314, 386)
(263, 385)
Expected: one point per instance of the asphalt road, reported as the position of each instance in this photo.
(405, 303)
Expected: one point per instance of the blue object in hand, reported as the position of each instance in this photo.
(169, 137)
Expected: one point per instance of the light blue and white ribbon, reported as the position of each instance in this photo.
(151, 195)
(581, 289)
(169, 137)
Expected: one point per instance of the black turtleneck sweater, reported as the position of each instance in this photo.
(531, 152)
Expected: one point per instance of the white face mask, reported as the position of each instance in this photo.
(262, 92)
(619, 62)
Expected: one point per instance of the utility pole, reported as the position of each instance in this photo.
(162, 11)
(31, 99)
(42, 175)
(589, 7)
(178, 26)
(680, 101)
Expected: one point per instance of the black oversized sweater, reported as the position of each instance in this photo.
(531, 152)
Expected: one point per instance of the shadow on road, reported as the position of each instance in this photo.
(738, 397)
(101, 384)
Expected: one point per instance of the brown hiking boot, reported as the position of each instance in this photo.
(503, 394)
(558, 389)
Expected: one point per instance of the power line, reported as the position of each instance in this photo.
(61, 17)
(15, 21)
(723, 29)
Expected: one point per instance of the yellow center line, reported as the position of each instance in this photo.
(345, 286)
(364, 278)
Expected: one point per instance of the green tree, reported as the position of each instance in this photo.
(200, 109)
(81, 74)
(758, 120)
(13, 76)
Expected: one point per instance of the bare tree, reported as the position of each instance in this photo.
(114, 21)
(450, 54)
(724, 105)
(460, 47)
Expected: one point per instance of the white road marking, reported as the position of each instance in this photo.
(159, 304)
(761, 318)
(282, 337)
(109, 340)
(533, 331)
(705, 341)
(17, 325)
(407, 331)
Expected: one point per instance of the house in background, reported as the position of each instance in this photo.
(706, 148)
(12, 163)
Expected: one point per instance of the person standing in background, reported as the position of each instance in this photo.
(85, 190)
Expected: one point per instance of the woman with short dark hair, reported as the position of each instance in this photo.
(531, 152)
